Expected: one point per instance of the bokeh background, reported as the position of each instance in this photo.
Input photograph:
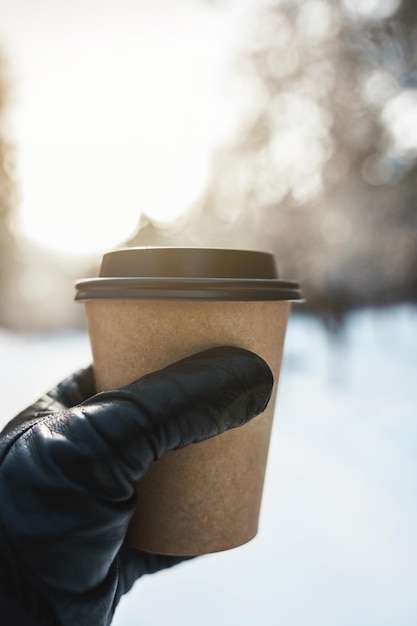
(282, 125)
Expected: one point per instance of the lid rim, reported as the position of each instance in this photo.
(137, 280)
(187, 289)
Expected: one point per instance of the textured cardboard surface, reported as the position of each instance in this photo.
(206, 497)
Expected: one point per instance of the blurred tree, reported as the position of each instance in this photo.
(29, 274)
(327, 165)
(7, 199)
(322, 167)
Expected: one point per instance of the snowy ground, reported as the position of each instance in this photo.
(337, 544)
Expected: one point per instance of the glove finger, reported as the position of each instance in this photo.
(74, 389)
(134, 563)
(190, 401)
(71, 391)
(108, 442)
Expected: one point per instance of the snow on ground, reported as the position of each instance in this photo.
(337, 544)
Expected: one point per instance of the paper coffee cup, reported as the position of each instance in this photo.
(153, 306)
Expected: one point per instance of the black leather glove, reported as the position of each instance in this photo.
(67, 470)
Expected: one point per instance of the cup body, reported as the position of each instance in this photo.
(206, 497)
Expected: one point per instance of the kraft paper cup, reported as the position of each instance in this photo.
(153, 306)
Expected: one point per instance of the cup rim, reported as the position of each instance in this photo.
(167, 288)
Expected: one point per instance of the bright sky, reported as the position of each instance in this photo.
(117, 107)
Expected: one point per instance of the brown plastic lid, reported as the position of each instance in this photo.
(187, 274)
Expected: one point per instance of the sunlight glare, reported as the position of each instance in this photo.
(122, 124)
(400, 117)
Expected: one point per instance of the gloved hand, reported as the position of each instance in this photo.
(67, 470)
